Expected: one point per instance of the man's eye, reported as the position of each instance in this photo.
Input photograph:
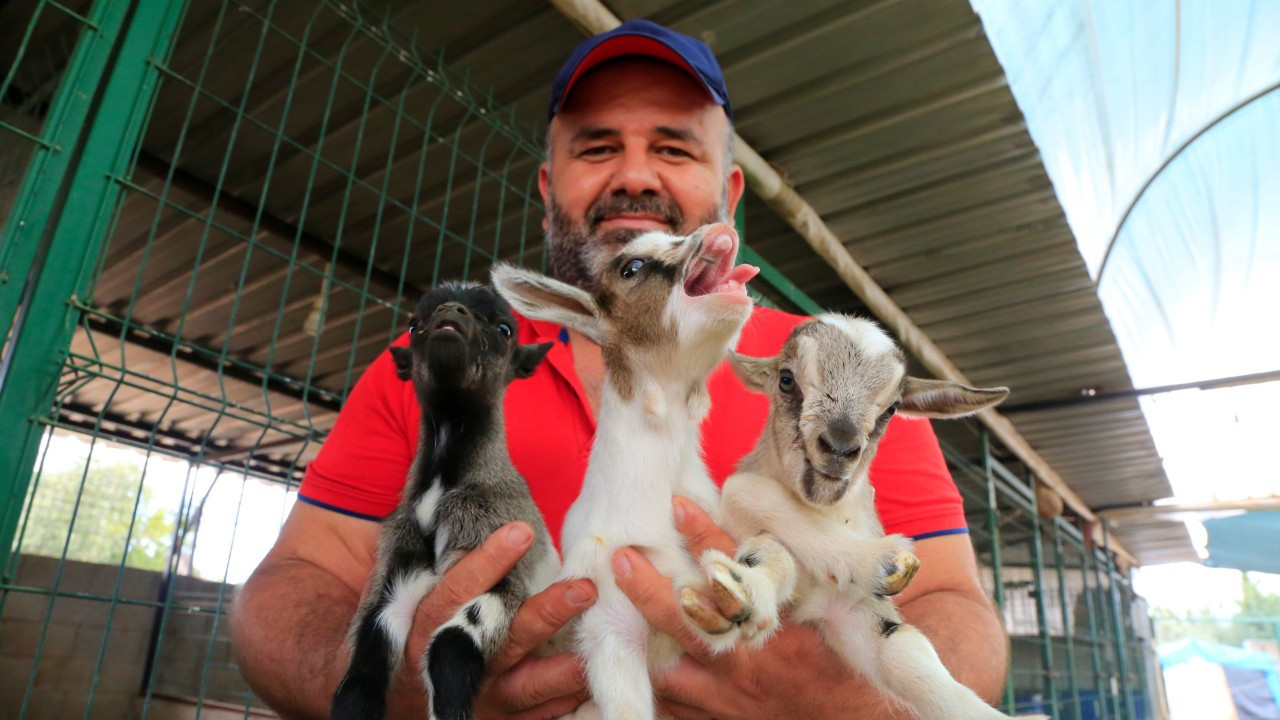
(675, 152)
(786, 381)
(505, 329)
(632, 267)
(596, 150)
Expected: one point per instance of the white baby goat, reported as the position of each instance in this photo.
(666, 310)
(832, 389)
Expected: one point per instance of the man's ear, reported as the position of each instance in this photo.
(403, 357)
(526, 359)
(754, 372)
(946, 399)
(537, 296)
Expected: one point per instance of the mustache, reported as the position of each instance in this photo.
(664, 208)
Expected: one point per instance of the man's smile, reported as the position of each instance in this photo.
(635, 221)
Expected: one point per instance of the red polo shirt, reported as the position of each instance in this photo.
(362, 467)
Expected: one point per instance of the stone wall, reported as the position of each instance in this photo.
(86, 650)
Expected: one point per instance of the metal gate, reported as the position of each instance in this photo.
(212, 217)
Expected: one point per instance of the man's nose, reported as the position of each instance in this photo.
(635, 174)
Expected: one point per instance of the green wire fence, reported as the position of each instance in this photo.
(213, 216)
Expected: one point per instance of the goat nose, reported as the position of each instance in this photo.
(841, 440)
(453, 306)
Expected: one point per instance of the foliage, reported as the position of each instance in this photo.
(103, 502)
(1200, 624)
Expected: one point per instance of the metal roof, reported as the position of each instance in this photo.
(892, 118)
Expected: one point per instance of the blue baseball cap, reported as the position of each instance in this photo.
(646, 39)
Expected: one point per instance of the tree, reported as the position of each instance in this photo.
(103, 508)
(1199, 624)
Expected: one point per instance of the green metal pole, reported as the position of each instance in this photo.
(24, 249)
(993, 530)
(1100, 686)
(38, 201)
(40, 340)
(1068, 637)
(1122, 651)
(1042, 615)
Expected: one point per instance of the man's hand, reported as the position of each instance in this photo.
(778, 680)
(519, 686)
(775, 681)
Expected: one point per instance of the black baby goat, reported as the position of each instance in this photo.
(462, 487)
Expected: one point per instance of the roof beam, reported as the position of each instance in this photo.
(1144, 512)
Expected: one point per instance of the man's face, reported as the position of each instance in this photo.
(638, 146)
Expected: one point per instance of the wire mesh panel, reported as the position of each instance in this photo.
(301, 174)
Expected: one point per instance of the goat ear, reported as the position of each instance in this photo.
(537, 296)
(403, 358)
(946, 399)
(754, 372)
(526, 359)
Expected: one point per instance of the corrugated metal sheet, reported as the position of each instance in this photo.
(892, 118)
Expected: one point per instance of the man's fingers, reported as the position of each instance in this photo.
(679, 711)
(540, 617)
(688, 685)
(551, 709)
(473, 575)
(536, 681)
(699, 532)
(654, 596)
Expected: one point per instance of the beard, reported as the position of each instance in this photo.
(579, 251)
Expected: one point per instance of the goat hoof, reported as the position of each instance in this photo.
(902, 570)
(703, 612)
(731, 597)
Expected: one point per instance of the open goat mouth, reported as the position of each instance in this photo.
(448, 325)
(711, 270)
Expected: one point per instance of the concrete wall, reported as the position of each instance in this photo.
(90, 648)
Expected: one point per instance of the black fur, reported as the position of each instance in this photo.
(462, 353)
(454, 661)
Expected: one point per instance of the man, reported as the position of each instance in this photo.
(639, 139)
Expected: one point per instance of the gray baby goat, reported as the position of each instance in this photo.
(801, 505)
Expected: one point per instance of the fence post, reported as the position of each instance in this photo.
(1068, 638)
(77, 220)
(1042, 615)
(1122, 651)
(1100, 687)
(993, 531)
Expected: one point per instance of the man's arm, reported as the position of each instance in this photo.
(945, 601)
(289, 621)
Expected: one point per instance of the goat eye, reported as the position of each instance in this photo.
(631, 268)
(414, 324)
(505, 329)
(786, 381)
(890, 411)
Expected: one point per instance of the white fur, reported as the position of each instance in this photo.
(840, 549)
(397, 617)
(646, 449)
(425, 510)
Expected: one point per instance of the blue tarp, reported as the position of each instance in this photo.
(1229, 658)
(1245, 542)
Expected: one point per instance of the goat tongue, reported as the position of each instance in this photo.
(742, 274)
(712, 267)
